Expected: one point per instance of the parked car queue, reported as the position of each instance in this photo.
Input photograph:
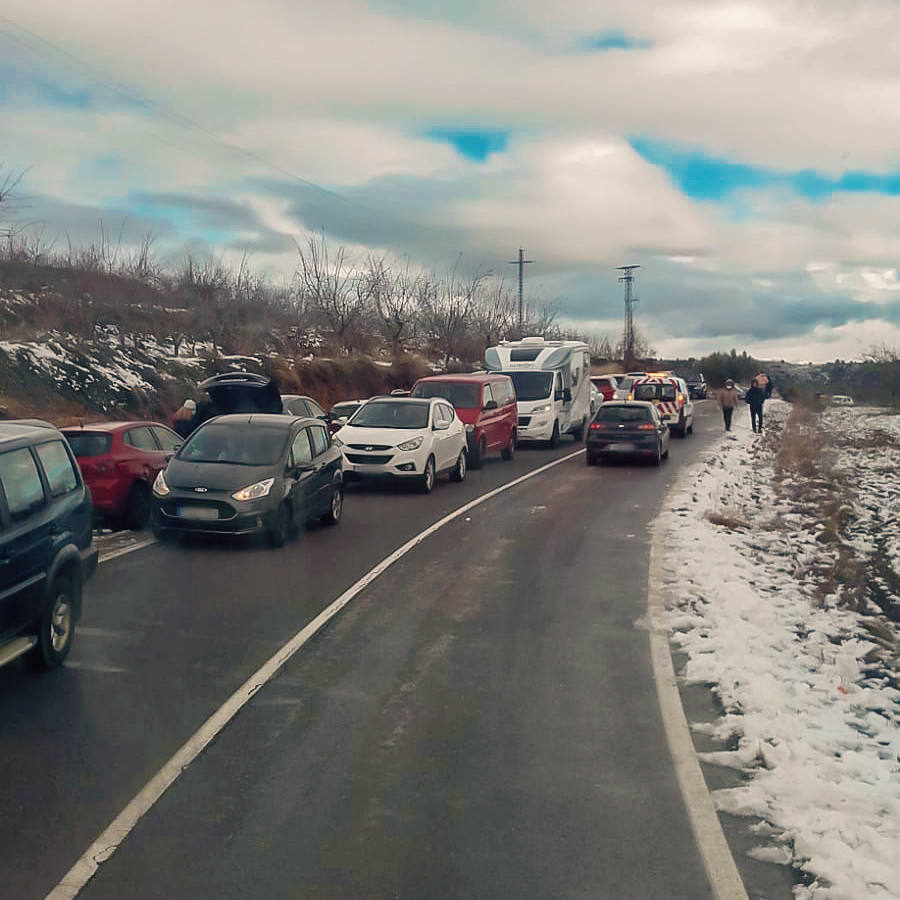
(248, 471)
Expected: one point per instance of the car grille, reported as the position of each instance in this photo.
(524, 420)
(366, 459)
(177, 508)
(368, 447)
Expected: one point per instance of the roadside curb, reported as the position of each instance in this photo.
(721, 869)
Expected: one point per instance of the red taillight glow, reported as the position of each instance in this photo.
(681, 399)
(648, 427)
(597, 426)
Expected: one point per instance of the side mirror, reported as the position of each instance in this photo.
(567, 396)
(491, 404)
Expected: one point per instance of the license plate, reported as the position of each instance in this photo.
(197, 512)
(621, 447)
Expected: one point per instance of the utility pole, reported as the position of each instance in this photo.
(630, 300)
(521, 262)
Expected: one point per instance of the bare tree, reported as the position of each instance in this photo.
(446, 311)
(333, 289)
(8, 184)
(493, 315)
(396, 296)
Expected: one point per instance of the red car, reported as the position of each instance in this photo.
(485, 403)
(119, 462)
(606, 384)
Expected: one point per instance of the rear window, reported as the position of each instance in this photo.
(654, 391)
(58, 468)
(623, 414)
(88, 443)
(460, 394)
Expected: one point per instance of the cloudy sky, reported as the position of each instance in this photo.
(746, 155)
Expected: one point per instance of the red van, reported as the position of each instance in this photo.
(485, 404)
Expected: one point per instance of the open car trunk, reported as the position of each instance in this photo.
(241, 392)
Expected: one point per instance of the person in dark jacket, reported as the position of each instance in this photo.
(755, 398)
(181, 424)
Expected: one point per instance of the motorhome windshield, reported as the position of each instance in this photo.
(531, 385)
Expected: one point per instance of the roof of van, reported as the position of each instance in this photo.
(30, 429)
(465, 376)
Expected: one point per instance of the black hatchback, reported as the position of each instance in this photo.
(627, 428)
(239, 474)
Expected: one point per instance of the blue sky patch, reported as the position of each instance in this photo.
(611, 40)
(710, 178)
(473, 143)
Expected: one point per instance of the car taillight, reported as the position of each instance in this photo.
(597, 426)
(648, 427)
(681, 399)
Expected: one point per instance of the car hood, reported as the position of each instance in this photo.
(390, 437)
(215, 476)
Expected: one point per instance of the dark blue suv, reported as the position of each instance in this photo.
(47, 550)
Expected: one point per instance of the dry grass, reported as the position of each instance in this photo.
(802, 447)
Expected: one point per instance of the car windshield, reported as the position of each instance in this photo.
(88, 443)
(243, 445)
(623, 414)
(341, 410)
(399, 414)
(531, 385)
(654, 391)
(459, 394)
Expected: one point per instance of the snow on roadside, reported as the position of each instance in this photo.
(813, 715)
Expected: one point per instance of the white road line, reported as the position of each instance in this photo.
(720, 866)
(116, 832)
(113, 554)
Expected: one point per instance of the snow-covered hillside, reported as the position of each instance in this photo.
(781, 583)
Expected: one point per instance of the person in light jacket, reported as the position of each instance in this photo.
(181, 424)
(728, 400)
(756, 396)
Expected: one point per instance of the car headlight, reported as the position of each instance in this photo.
(540, 409)
(255, 491)
(470, 428)
(160, 488)
(336, 441)
(412, 444)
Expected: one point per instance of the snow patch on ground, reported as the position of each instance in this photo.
(812, 711)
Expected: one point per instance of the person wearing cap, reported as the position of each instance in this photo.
(182, 422)
(755, 397)
(728, 400)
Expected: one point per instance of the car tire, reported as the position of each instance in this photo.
(690, 428)
(509, 451)
(476, 457)
(280, 526)
(137, 507)
(657, 459)
(333, 516)
(458, 472)
(56, 629)
(553, 443)
(666, 454)
(426, 482)
(681, 428)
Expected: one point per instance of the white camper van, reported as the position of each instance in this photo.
(553, 385)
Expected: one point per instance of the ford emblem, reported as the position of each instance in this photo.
(201, 490)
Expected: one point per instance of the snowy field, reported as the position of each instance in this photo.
(780, 587)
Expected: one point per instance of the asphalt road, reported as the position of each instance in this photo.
(480, 721)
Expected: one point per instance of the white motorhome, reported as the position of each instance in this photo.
(553, 385)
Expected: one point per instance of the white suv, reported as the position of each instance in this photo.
(401, 437)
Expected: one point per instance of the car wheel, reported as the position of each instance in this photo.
(458, 472)
(333, 516)
(509, 451)
(553, 443)
(657, 459)
(479, 450)
(690, 428)
(426, 483)
(56, 630)
(280, 526)
(666, 454)
(681, 428)
(137, 507)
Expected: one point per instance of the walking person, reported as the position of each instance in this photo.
(728, 400)
(756, 396)
(182, 422)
